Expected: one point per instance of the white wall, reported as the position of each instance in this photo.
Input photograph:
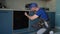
(20, 4)
(51, 5)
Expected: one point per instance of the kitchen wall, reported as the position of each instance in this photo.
(20, 4)
(51, 5)
(58, 13)
(2, 1)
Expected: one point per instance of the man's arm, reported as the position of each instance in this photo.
(31, 17)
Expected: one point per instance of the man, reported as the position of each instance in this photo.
(39, 13)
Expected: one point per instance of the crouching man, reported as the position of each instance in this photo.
(39, 13)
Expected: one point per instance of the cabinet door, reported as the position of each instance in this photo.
(51, 19)
(5, 22)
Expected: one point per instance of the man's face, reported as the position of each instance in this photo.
(33, 9)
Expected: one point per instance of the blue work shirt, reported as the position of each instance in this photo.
(42, 14)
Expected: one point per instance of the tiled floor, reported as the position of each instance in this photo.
(28, 32)
(57, 31)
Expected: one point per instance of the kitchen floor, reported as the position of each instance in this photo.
(57, 31)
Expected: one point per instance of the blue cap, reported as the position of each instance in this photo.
(32, 5)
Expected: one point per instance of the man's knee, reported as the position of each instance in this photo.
(41, 31)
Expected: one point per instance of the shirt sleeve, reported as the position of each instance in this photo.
(38, 13)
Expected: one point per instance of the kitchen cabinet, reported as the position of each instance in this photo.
(6, 22)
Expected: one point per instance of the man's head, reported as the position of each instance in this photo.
(33, 6)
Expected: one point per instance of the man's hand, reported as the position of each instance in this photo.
(26, 14)
(31, 17)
